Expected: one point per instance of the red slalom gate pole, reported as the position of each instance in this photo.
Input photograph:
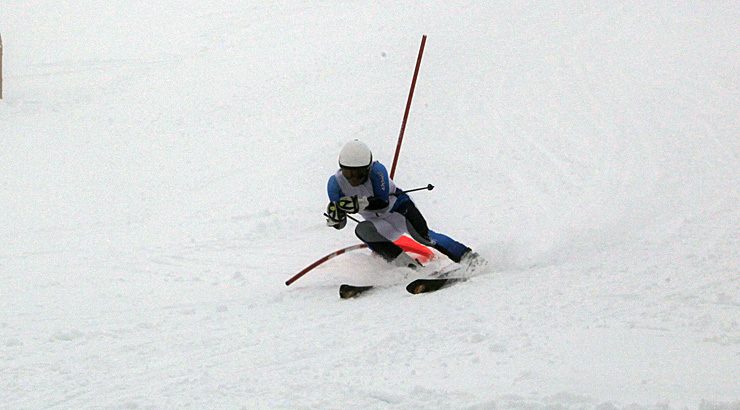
(322, 260)
(408, 105)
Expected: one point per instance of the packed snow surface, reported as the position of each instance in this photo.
(163, 172)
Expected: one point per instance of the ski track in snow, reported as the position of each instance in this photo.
(163, 174)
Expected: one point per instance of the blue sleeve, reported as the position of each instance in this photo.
(333, 189)
(381, 182)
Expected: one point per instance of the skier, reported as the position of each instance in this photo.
(362, 186)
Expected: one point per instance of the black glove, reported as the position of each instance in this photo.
(353, 204)
(335, 217)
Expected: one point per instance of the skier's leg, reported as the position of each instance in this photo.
(414, 221)
(367, 231)
(418, 229)
(448, 246)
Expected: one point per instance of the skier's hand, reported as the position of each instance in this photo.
(335, 217)
(353, 204)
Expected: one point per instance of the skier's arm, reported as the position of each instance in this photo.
(381, 187)
(333, 189)
(336, 217)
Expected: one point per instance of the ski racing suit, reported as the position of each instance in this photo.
(390, 214)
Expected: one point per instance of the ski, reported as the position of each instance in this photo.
(423, 285)
(350, 291)
(433, 281)
(430, 284)
(444, 278)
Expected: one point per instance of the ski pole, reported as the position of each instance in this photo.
(424, 188)
(348, 216)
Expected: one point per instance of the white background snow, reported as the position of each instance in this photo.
(163, 172)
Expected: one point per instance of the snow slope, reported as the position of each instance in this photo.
(163, 169)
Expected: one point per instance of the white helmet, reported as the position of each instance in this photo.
(355, 154)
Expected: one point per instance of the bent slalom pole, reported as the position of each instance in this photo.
(322, 260)
(393, 171)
